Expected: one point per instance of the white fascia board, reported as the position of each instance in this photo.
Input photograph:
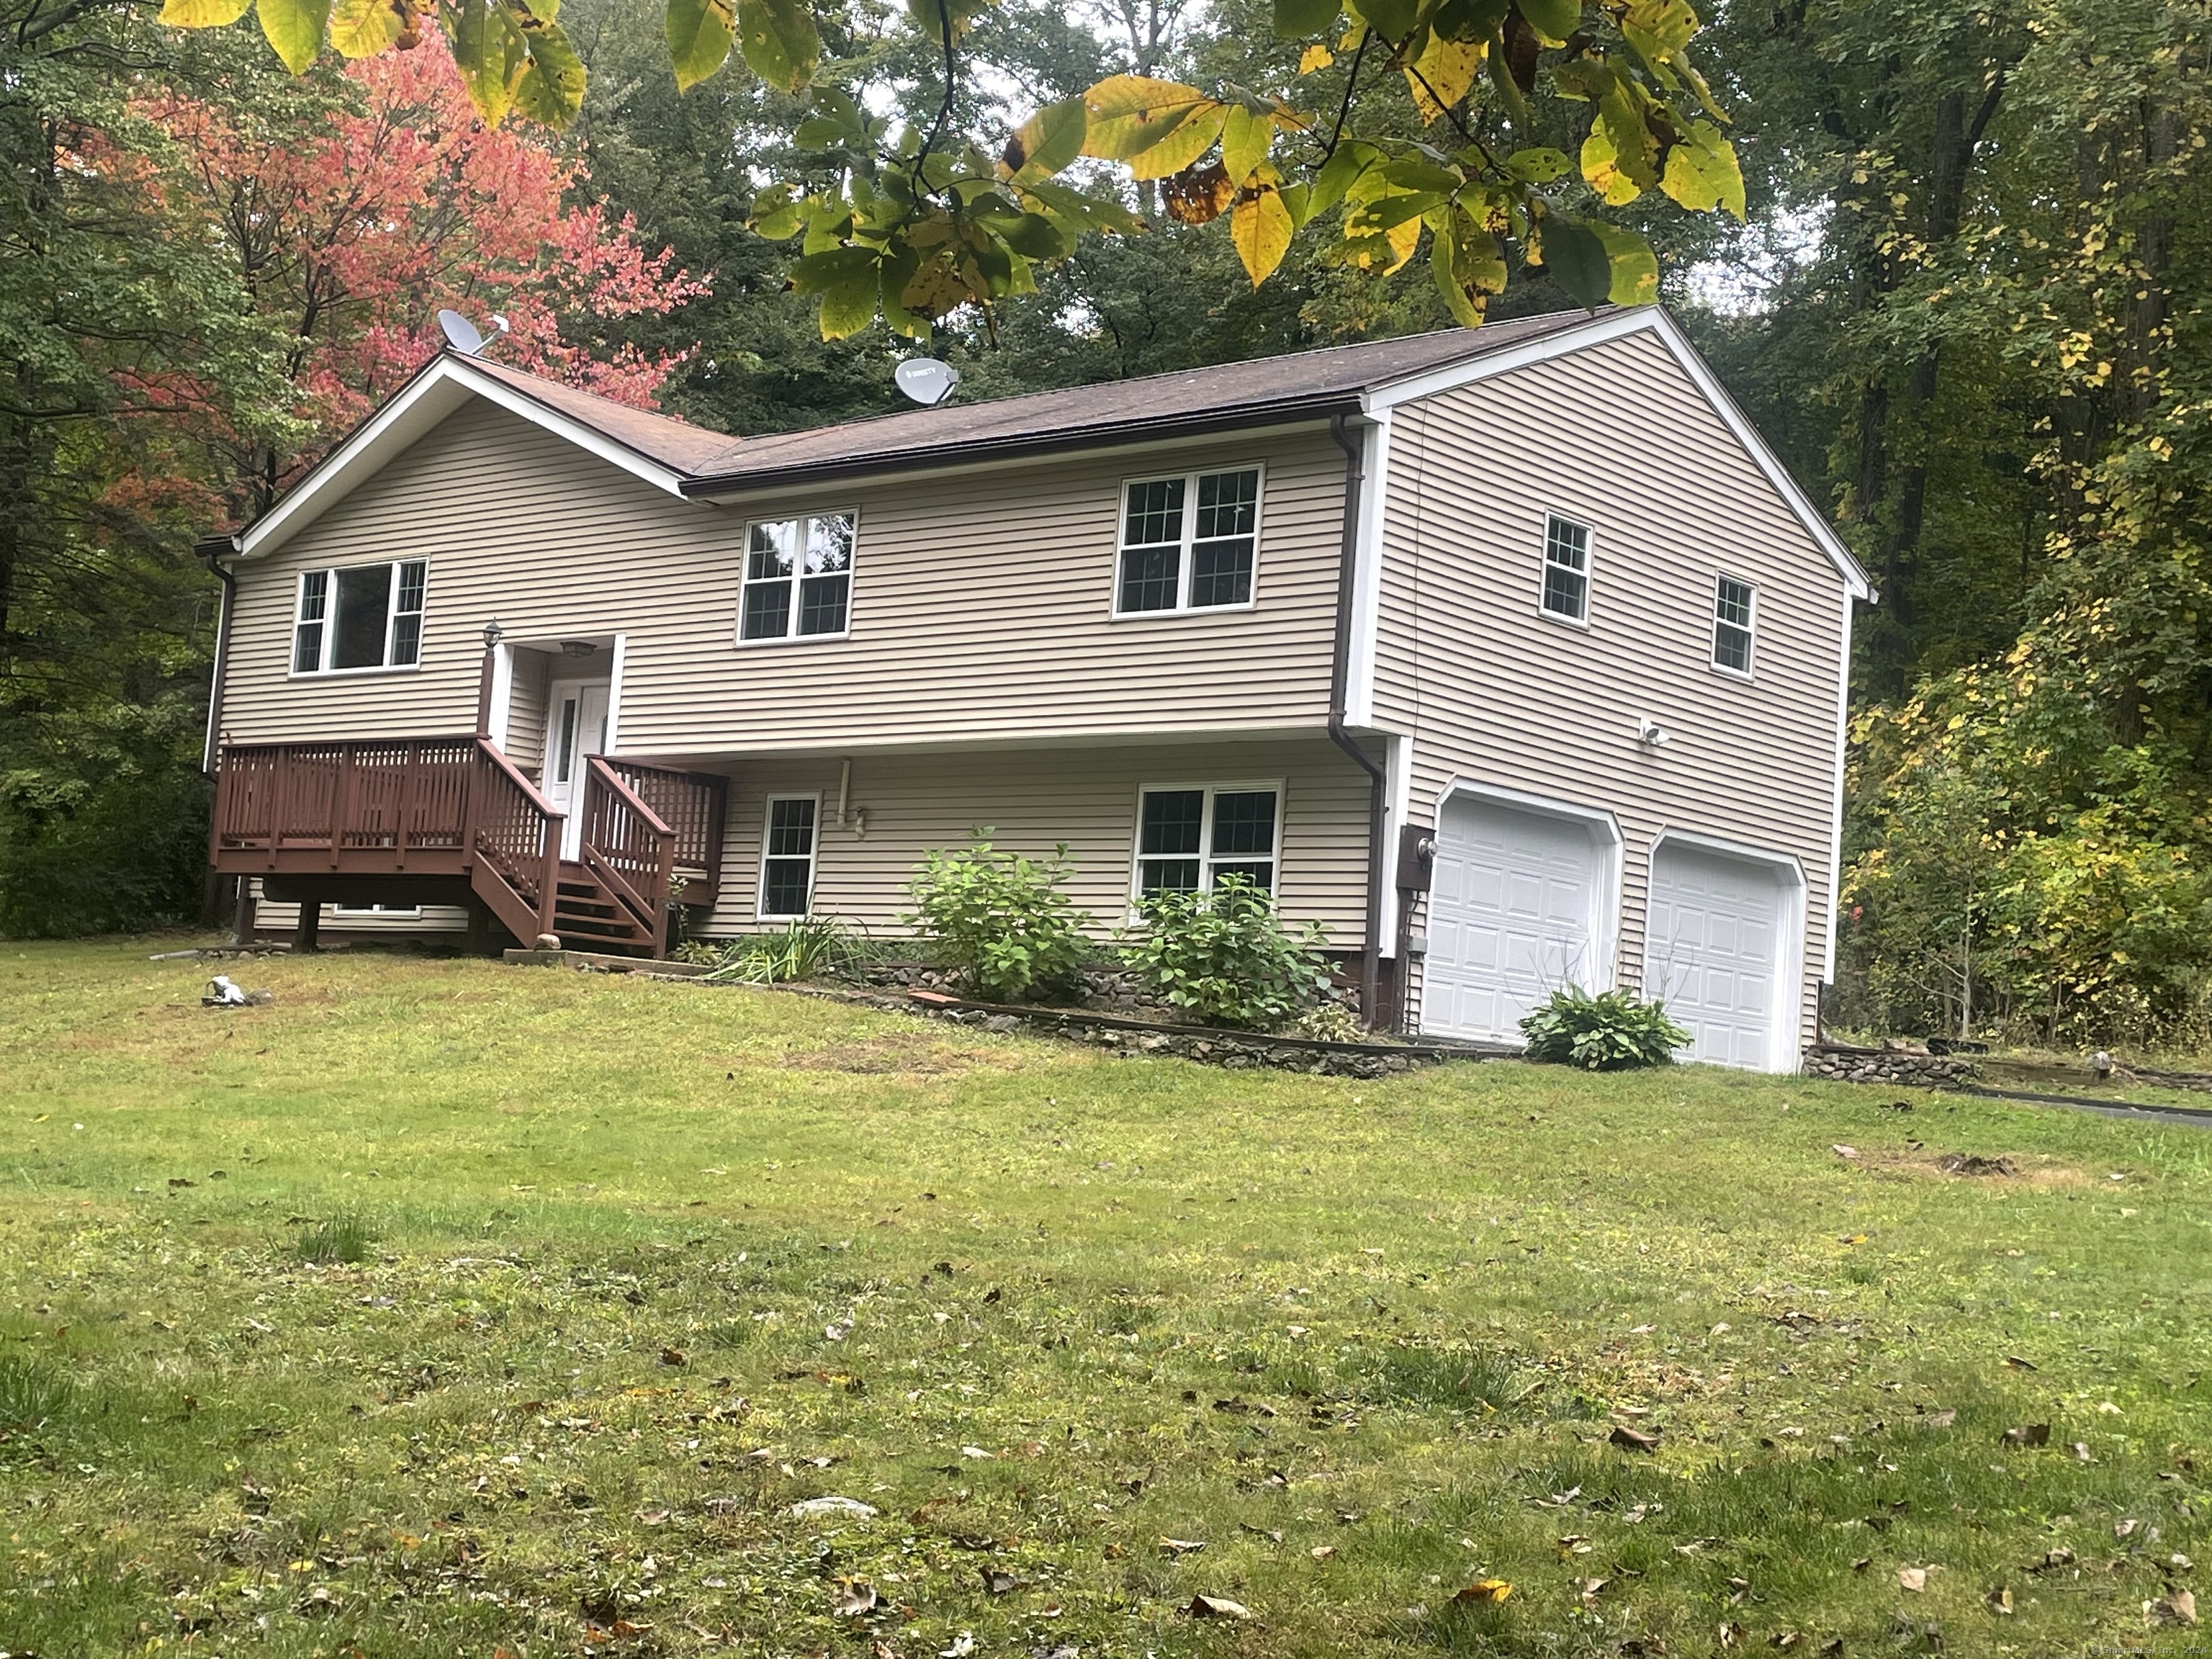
(439, 389)
(1836, 825)
(1367, 574)
(1615, 325)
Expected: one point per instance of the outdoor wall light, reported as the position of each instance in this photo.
(1650, 732)
(577, 648)
(493, 633)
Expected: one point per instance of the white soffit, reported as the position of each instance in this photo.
(1617, 325)
(441, 388)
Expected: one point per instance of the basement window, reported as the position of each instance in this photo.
(787, 887)
(359, 616)
(1189, 837)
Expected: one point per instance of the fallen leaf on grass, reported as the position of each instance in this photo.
(1217, 1606)
(2028, 1434)
(1000, 1583)
(2081, 1451)
(1573, 1544)
(1273, 1535)
(1587, 1589)
(653, 1517)
(832, 1505)
(2124, 1528)
(2018, 1364)
(1323, 1552)
(853, 1598)
(1943, 1419)
(2179, 1607)
(1728, 1634)
(2001, 1602)
(1633, 1439)
(1844, 1152)
(1493, 1590)
(672, 1356)
(1912, 1579)
(1181, 1545)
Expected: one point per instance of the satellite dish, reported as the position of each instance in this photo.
(461, 334)
(926, 381)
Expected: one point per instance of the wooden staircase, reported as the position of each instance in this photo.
(589, 916)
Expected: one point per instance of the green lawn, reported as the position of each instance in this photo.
(643, 1266)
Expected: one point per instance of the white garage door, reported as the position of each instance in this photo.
(1512, 916)
(1713, 946)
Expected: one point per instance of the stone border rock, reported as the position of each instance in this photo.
(1844, 1062)
(1140, 1038)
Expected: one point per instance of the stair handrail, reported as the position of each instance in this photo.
(694, 804)
(606, 852)
(550, 820)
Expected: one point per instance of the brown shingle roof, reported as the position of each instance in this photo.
(675, 444)
(1304, 384)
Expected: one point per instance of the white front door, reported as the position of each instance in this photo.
(1713, 947)
(575, 727)
(1513, 915)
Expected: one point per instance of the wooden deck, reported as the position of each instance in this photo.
(383, 819)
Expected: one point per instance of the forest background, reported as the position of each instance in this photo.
(1966, 304)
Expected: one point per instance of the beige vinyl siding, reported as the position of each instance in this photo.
(1032, 800)
(1617, 437)
(980, 604)
(525, 710)
(271, 918)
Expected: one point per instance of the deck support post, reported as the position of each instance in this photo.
(241, 924)
(305, 935)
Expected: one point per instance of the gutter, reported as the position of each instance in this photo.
(1339, 690)
(965, 451)
(212, 549)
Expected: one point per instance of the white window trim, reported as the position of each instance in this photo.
(393, 912)
(852, 580)
(761, 912)
(323, 670)
(1205, 856)
(1751, 629)
(1589, 570)
(1183, 607)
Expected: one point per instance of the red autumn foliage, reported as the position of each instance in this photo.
(351, 227)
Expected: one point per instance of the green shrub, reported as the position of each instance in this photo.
(806, 949)
(1611, 1031)
(1225, 958)
(1000, 923)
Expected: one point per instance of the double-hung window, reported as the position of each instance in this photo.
(1566, 570)
(787, 886)
(1188, 543)
(799, 579)
(1190, 836)
(1736, 606)
(356, 616)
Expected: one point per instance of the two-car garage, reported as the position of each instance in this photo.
(1525, 897)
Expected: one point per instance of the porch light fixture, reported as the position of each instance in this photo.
(493, 633)
(577, 648)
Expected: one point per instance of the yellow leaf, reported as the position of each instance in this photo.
(202, 14)
(1126, 115)
(1246, 138)
(1180, 148)
(1314, 57)
(362, 28)
(1403, 239)
(1486, 1589)
(1702, 172)
(1442, 74)
(1601, 167)
(1260, 228)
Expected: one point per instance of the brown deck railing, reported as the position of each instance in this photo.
(628, 847)
(693, 804)
(391, 806)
